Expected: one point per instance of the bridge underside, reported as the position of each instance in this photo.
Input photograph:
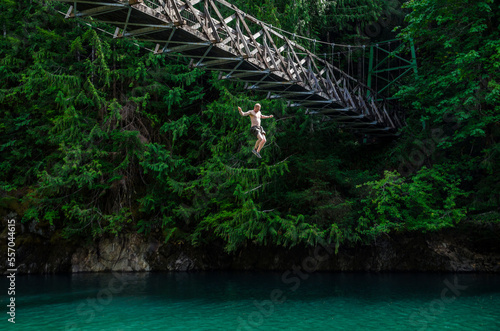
(281, 72)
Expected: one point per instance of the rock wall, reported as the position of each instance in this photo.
(40, 249)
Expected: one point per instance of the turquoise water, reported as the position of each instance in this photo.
(255, 301)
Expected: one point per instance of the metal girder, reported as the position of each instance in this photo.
(205, 54)
(385, 65)
(315, 102)
(291, 95)
(218, 62)
(353, 124)
(267, 85)
(235, 68)
(349, 117)
(136, 24)
(186, 47)
(375, 129)
(326, 111)
(98, 11)
(247, 74)
(102, 3)
(147, 30)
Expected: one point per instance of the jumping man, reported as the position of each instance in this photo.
(256, 129)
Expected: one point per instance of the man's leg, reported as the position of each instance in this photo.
(255, 148)
(257, 143)
(262, 139)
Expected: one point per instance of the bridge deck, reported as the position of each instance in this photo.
(245, 49)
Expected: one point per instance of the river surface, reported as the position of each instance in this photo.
(255, 301)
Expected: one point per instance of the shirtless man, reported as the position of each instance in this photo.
(256, 129)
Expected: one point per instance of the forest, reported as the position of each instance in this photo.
(100, 137)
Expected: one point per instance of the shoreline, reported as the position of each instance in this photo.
(450, 250)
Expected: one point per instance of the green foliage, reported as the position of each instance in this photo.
(99, 137)
(457, 91)
(350, 16)
(426, 202)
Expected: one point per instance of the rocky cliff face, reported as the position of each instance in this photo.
(41, 250)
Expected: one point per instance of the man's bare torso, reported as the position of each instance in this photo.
(255, 117)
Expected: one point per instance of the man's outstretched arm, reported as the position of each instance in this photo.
(265, 116)
(243, 113)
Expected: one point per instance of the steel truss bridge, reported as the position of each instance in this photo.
(216, 35)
